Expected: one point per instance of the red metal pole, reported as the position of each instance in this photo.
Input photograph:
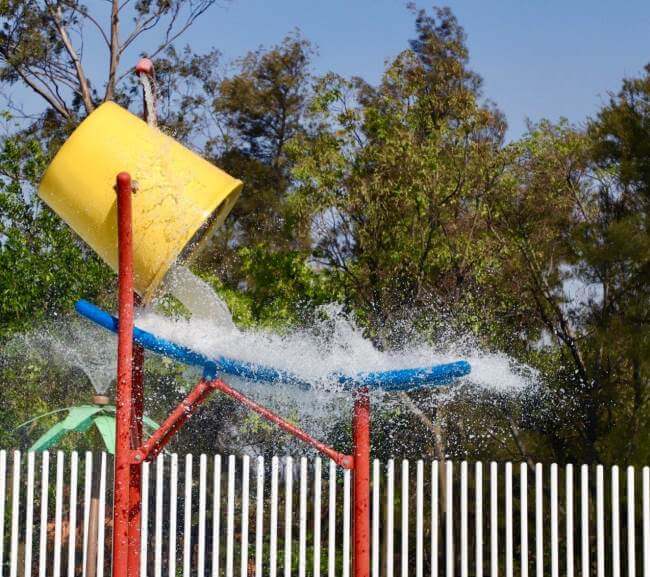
(135, 490)
(361, 438)
(123, 412)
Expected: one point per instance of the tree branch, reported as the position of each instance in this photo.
(44, 93)
(81, 77)
(115, 51)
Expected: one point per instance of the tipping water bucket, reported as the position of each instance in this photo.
(180, 197)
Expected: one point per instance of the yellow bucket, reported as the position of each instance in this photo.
(180, 197)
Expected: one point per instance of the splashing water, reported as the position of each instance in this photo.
(198, 297)
(147, 89)
(333, 345)
(79, 345)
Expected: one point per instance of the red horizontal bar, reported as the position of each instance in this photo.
(345, 461)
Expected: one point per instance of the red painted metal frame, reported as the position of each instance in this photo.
(345, 461)
(124, 401)
(361, 487)
(130, 451)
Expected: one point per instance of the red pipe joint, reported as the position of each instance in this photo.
(144, 66)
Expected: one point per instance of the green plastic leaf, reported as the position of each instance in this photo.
(106, 426)
(49, 438)
(32, 420)
(150, 423)
(80, 418)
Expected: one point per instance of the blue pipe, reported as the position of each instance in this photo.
(396, 380)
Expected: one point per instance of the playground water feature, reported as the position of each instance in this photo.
(182, 199)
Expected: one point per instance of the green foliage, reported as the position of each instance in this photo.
(400, 201)
(46, 266)
(395, 183)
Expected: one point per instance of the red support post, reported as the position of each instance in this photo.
(135, 490)
(361, 472)
(123, 412)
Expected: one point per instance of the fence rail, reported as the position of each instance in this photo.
(241, 516)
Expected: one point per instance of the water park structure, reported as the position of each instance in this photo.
(143, 201)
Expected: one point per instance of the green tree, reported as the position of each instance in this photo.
(46, 267)
(393, 180)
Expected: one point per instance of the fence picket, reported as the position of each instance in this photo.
(449, 504)
(144, 516)
(72, 516)
(317, 513)
(244, 514)
(464, 564)
(419, 519)
(435, 480)
(302, 520)
(273, 545)
(568, 483)
(203, 474)
(88, 474)
(539, 520)
(631, 532)
(646, 521)
(405, 518)
(346, 523)
(478, 515)
(216, 515)
(101, 513)
(509, 529)
(390, 512)
(259, 518)
(187, 519)
(288, 514)
(331, 526)
(58, 513)
(523, 518)
(494, 521)
(29, 514)
(230, 519)
(600, 521)
(3, 496)
(584, 508)
(173, 512)
(616, 527)
(555, 538)
(15, 515)
(376, 480)
(45, 476)
(158, 534)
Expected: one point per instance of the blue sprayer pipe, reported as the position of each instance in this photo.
(395, 380)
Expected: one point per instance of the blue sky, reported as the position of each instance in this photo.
(539, 59)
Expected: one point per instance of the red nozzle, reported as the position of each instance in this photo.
(144, 66)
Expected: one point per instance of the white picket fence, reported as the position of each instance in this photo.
(215, 516)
